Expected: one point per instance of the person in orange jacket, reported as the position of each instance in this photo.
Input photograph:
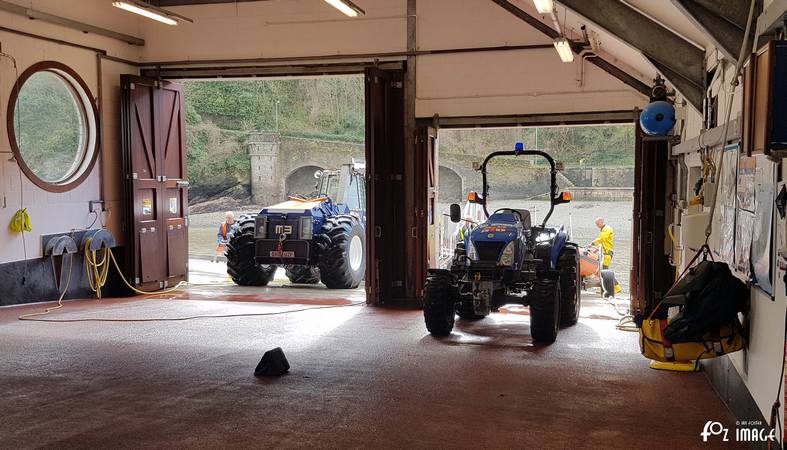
(222, 237)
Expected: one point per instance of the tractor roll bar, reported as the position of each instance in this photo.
(553, 195)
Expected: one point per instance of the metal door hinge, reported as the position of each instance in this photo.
(162, 285)
(414, 232)
(396, 84)
(134, 176)
(162, 178)
(136, 281)
(131, 87)
(378, 231)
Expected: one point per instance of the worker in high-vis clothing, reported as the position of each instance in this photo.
(606, 241)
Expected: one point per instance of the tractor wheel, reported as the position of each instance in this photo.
(241, 266)
(440, 293)
(570, 285)
(302, 274)
(466, 310)
(343, 254)
(545, 311)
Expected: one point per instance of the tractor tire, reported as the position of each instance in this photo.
(545, 311)
(302, 274)
(342, 260)
(466, 310)
(241, 266)
(570, 285)
(440, 293)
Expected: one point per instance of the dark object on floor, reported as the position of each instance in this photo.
(272, 364)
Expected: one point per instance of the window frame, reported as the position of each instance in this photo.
(90, 116)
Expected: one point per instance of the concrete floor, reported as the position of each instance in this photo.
(361, 377)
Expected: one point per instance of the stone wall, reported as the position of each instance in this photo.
(282, 165)
(277, 159)
(600, 176)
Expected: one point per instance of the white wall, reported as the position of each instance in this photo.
(760, 363)
(494, 83)
(276, 28)
(61, 212)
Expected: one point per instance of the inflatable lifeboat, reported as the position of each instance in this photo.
(589, 262)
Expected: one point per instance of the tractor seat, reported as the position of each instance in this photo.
(523, 214)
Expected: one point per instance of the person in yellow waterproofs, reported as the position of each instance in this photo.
(605, 240)
(606, 243)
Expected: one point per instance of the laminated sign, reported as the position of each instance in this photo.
(147, 207)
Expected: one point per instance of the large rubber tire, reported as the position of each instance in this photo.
(339, 263)
(302, 274)
(440, 293)
(545, 311)
(466, 310)
(241, 266)
(570, 285)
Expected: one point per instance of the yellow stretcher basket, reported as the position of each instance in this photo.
(655, 346)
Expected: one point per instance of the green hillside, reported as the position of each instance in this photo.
(221, 115)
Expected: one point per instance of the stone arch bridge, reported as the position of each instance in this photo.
(284, 165)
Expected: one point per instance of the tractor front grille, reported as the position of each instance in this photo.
(489, 251)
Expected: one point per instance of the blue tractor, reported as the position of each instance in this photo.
(316, 238)
(508, 260)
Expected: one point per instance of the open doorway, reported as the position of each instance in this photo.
(253, 144)
(597, 169)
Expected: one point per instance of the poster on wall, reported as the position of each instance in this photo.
(747, 167)
(726, 207)
(743, 242)
(762, 226)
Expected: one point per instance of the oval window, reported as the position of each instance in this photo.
(53, 126)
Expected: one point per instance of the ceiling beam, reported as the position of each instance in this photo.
(678, 60)
(723, 31)
(165, 3)
(596, 60)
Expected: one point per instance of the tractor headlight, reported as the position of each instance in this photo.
(306, 228)
(472, 255)
(507, 257)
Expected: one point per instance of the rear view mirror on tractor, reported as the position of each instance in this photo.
(456, 213)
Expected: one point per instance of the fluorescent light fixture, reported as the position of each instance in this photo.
(150, 11)
(347, 7)
(563, 47)
(544, 6)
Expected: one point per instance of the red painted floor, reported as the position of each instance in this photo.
(361, 378)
